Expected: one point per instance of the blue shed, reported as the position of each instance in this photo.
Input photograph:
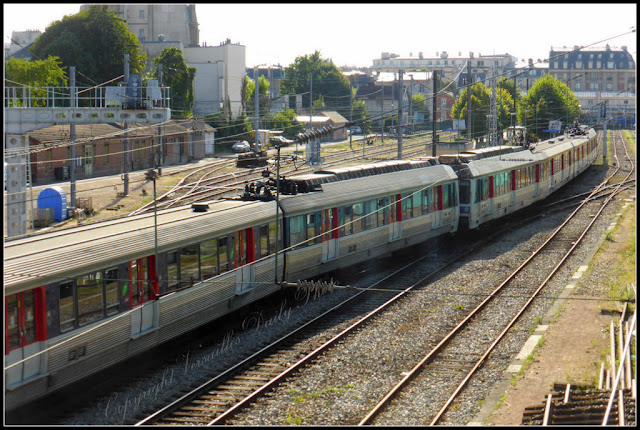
(56, 199)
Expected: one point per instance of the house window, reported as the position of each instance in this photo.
(141, 13)
(141, 34)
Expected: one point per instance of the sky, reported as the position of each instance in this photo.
(354, 34)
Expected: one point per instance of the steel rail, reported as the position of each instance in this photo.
(411, 374)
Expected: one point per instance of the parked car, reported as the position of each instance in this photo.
(242, 146)
(355, 130)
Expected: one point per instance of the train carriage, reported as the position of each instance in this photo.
(357, 219)
(80, 300)
(498, 181)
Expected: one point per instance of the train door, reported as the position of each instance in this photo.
(244, 251)
(143, 293)
(331, 234)
(552, 162)
(437, 215)
(513, 187)
(395, 217)
(537, 187)
(491, 193)
(562, 167)
(25, 326)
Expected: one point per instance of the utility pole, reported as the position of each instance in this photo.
(400, 73)
(125, 143)
(435, 107)
(382, 112)
(351, 113)
(256, 92)
(469, 82)
(160, 142)
(72, 138)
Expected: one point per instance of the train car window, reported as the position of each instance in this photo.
(133, 274)
(464, 192)
(90, 307)
(231, 251)
(273, 244)
(346, 217)
(263, 241)
(393, 216)
(313, 228)
(209, 258)
(172, 270)
(20, 316)
(446, 196)
(29, 316)
(112, 286)
(67, 307)
(223, 255)
(382, 212)
(407, 206)
(13, 331)
(371, 220)
(358, 220)
(417, 203)
(242, 248)
(297, 230)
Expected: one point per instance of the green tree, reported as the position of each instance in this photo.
(286, 121)
(480, 98)
(263, 100)
(548, 99)
(361, 115)
(328, 82)
(35, 73)
(419, 105)
(178, 77)
(94, 41)
(480, 108)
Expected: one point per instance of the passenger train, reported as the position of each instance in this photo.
(80, 300)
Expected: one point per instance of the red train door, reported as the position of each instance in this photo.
(25, 326)
(144, 288)
(245, 255)
(513, 187)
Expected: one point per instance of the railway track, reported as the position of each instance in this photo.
(201, 185)
(443, 362)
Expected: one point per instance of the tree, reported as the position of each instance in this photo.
(263, 99)
(328, 82)
(361, 115)
(480, 108)
(94, 41)
(36, 73)
(178, 77)
(419, 105)
(480, 98)
(286, 121)
(548, 99)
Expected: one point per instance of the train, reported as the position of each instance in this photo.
(80, 300)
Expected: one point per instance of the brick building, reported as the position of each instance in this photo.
(100, 148)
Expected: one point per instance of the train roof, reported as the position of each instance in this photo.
(355, 190)
(52, 257)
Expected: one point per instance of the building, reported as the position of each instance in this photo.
(527, 73)
(274, 75)
(325, 119)
(449, 67)
(21, 41)
(220, 69)
(100, 148)
(148, 21)
(220, 72)
(598, 76)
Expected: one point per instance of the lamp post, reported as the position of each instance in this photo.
(152, 175)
